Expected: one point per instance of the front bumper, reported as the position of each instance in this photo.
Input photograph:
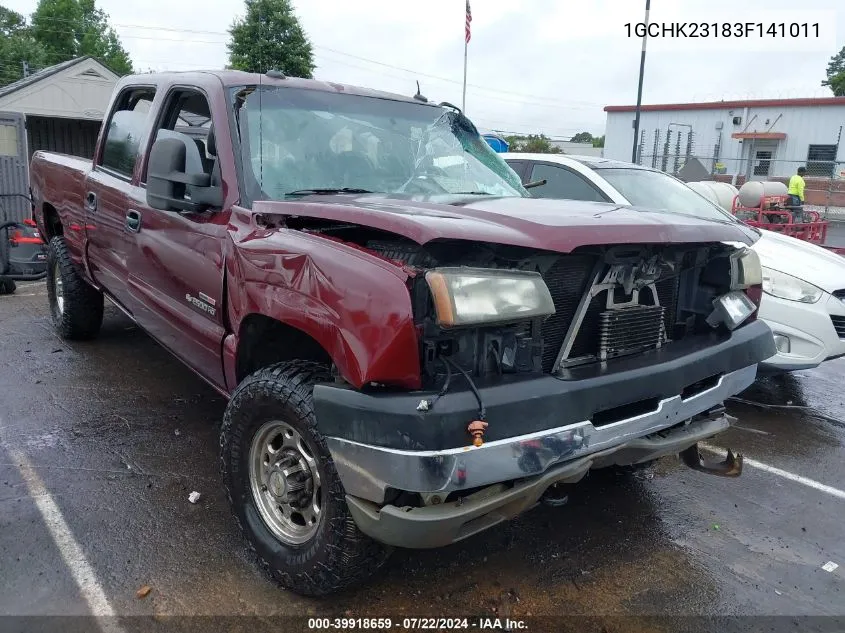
(380, 441)
(368, 471)
(808, 326)
(445, 523)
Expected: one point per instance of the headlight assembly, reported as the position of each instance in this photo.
(746, 270)
(472, 296)
(791, 288)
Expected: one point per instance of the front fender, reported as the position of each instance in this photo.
(353, 303)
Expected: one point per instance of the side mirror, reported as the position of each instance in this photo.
(170, 188)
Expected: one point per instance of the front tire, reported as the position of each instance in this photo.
(7, 286)
(76, 306)
(284, 489)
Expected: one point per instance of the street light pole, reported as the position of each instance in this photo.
(640, 87)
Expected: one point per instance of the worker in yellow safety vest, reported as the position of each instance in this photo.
(795, 193)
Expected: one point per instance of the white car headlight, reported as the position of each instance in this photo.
(791, 288)
(469, 296)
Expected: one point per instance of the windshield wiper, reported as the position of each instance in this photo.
(472, 193)
(326, 192)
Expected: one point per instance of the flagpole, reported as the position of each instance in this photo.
(464, 99)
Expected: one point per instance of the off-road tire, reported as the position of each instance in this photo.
(82, 312)
(338, 555)
(7, 286)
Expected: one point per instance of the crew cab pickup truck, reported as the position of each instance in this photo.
(413, 349)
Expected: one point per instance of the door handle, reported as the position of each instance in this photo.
(133, 221)
(91, 201)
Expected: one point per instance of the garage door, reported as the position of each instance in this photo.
(13, 178)
(76, 137)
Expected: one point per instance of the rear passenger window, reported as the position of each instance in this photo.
(127, 125)
(562, 183)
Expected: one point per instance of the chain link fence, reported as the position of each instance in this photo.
(679, 151)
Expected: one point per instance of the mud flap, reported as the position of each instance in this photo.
(731, 466)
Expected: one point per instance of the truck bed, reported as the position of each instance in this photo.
(58, 191)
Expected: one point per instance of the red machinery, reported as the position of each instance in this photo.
(774, 214)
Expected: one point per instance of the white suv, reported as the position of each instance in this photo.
(803, 284)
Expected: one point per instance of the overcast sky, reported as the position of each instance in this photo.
(534, 65)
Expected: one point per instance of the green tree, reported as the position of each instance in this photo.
(269, 37)
(836, 74)
(582, 137)
(73, 28)
(533, 143)
(17, 46)
(598, 141)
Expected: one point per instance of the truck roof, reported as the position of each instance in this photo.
(233, 78)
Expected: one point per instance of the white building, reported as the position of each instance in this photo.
(757, 139)
(59, 109)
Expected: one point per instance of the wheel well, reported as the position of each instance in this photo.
(263, 341)
(52, 223)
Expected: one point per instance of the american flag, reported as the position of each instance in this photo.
(468, 34)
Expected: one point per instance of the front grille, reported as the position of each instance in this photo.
(567, 281)
(839, 294)
(667, 295)
(630, 329)
(587, 338)
(839, 325)
(586, 343)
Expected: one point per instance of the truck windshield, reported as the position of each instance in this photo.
(295, 142)
(660, 192)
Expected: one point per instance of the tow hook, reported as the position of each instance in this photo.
(730, 467)
(555, 496)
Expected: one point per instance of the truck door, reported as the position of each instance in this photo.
(176, 266)
(109, 191)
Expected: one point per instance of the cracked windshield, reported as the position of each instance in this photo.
(302, 141)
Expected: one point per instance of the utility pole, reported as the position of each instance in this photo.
(640, 87)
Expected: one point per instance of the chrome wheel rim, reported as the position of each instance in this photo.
(285, 482)
(58, 288)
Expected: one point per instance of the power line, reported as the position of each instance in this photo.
(476, 86)
(501, 99)
(551, 100)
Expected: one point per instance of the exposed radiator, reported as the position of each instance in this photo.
(630, 329)
(567, 281)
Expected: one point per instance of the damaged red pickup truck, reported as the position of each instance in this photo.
(413, 348)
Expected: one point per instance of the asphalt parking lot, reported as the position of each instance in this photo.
(102, 442)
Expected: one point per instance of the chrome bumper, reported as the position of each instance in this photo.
(367, 471)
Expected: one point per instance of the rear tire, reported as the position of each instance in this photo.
(269, 427)
(76, 306)
(7, 286)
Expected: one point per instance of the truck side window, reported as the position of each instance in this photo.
(127, 125)
(563, 183)
(187, 117)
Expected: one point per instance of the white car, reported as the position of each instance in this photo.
(803, 284)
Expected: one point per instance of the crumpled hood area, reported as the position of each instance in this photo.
(556, 225)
